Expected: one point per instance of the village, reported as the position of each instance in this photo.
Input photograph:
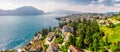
(61, 38)
(60, 26)
(48, 44)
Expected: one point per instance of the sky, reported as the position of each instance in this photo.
(96, 6)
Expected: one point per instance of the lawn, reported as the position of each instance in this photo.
(113, 34)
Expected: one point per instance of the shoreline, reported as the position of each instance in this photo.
(29, 41)
(66, 37)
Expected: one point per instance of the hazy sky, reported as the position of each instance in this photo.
(74, 5)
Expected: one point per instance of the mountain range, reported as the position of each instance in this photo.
(29, 10)
(62, 11)
(26, 10)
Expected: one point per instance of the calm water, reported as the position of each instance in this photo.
(16, 31)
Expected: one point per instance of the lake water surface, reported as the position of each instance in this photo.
(16, 31)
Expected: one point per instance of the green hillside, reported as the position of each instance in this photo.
(112, 33)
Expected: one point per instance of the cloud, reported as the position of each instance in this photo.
(100, 1)
(50, 5)
(92, 1)
(117, 5)
(116, 0)
(101, 8)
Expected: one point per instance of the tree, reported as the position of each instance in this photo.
(111, 25)
(59, 39)
(45, 48)
(102, 46)
(79, 41)
(81, 28)
(95, 45)
(106, 42)
(71, 41)
(88, 35)
(61, 25)
(50, 29)
(74, 28)
(45, 31)
(64, 48)
(95, 26)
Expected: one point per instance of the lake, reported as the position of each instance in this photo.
(17, 31)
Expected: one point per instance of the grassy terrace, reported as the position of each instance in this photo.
(112, 33)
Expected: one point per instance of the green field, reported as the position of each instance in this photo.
(112, 33)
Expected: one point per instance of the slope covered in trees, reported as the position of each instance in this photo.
(88, 34)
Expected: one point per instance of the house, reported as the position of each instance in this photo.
(19, 50)
(36, 47)
(66, 28)
(73, 49)
(58, 29)
(52, 48)
(102, 22)
(28, 47)
(66, 35)
(39, 36)
(110, 23)
(66, 31)
(50, 36)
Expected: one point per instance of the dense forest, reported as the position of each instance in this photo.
(87, 34)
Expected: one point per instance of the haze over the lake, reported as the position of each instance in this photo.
(98, 6)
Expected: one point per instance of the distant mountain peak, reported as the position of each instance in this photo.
(26, 7)
(25, 10)
(63, 11)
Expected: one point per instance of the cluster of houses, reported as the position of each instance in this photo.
(35, 45)
(106, 22)
(81, 17)
(50, 38)
(103, 19)
(66, 31)
(54, 47)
